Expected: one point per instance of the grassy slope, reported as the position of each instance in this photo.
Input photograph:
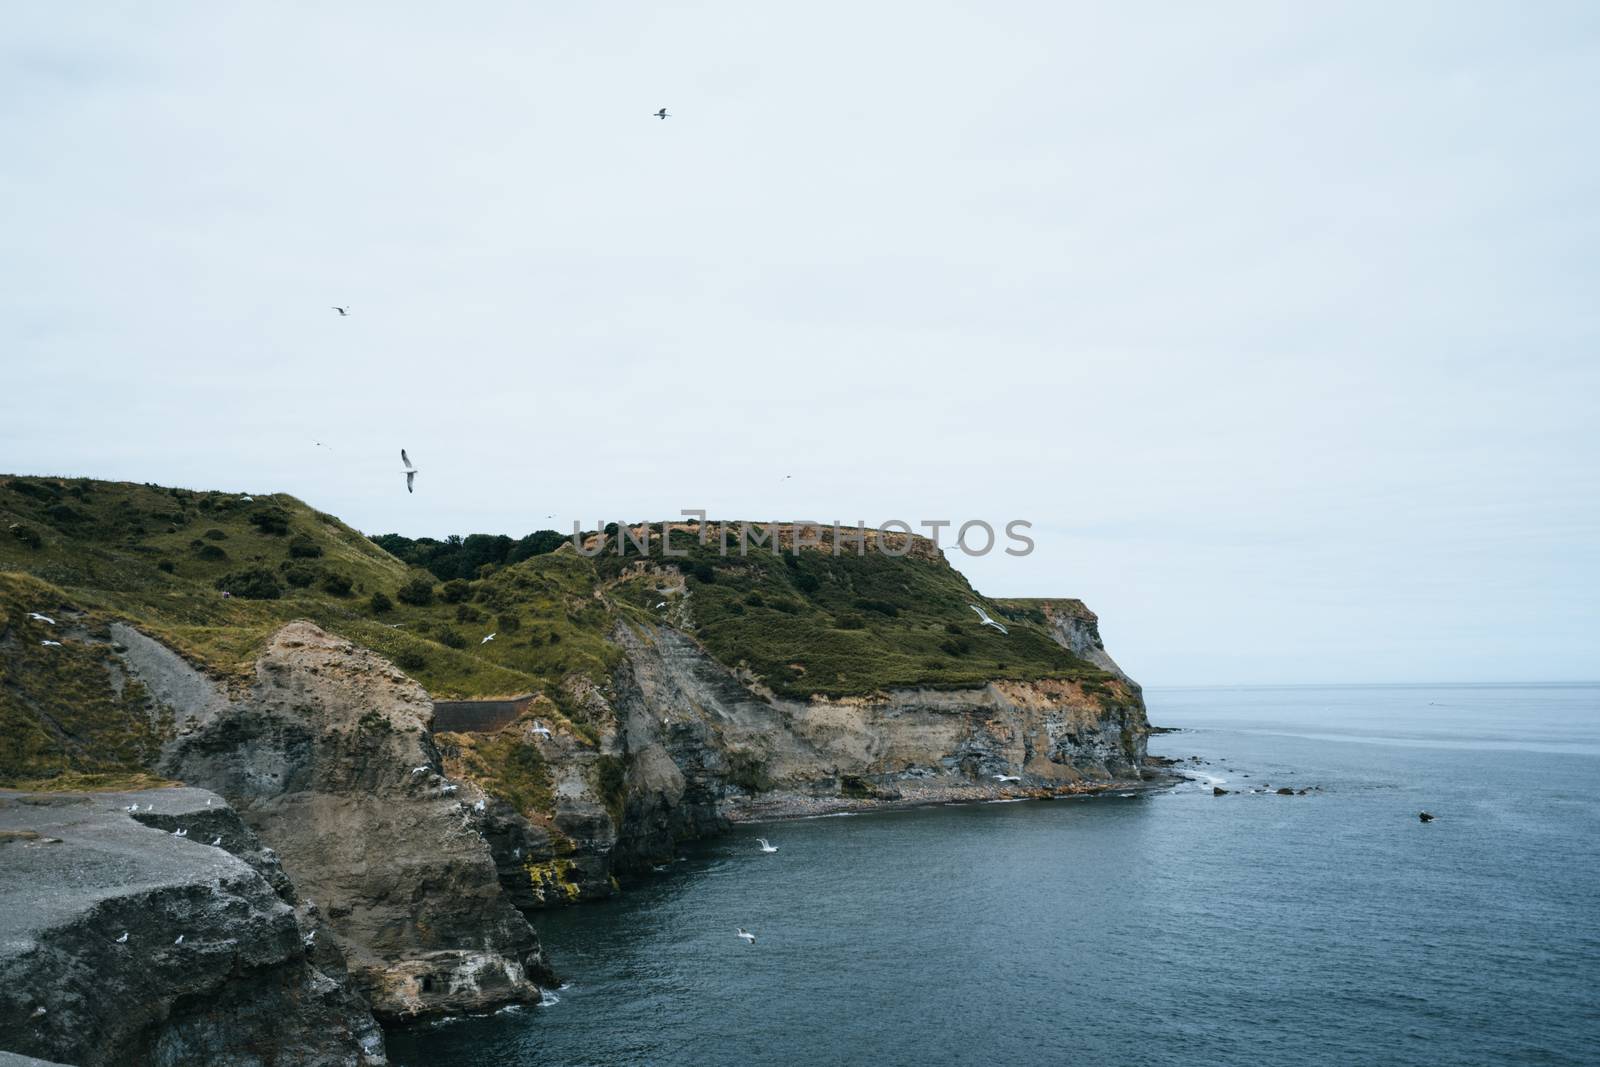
(817, 623)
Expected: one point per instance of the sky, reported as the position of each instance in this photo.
(1278, 322)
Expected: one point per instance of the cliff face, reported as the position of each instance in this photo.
(328, 757)
(93, 903)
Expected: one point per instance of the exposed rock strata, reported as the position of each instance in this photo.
(77, 872)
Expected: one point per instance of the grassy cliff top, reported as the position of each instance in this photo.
(214, 574)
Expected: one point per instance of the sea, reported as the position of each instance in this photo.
(1179, 927)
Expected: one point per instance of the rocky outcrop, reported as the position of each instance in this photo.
(121, 942)
(328, 757)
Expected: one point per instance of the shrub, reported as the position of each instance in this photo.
(167, 566)
(214, 534)
(881, 607)
(303, 547)
(27, 535)
(703, 572)
(337, 584)
(455, 591)
(786, 605)
(298, 575)
(953, 628)
(808, 583)
(409, 659)
(468, 613)
(380, 604)
(449, 638)
(211, 552)
(955, 646)
(417, 592)
(510, 622)
(852, 621)
(66, 513)
(755, 600)
(273, 521)
(253, 583)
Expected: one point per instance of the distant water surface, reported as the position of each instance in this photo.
(1182, 928)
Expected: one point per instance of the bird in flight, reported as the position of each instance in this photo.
(541, 729)
(47, 620)
(411, 472)
(767, 846)
(1008, 777)
(661, 114)
(486, 640)
(343, 311)
(745, 935)
(51, 644)
(180, 939)
(123, 940)
(983, 617)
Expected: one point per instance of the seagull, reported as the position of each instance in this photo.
(40, 1010)
(123, 940)
(745, 935)
(51, 644)
(180, 939)
(449, 789)
(661, 605)
(983, 617)
(1008, 777)
(421, 770)
(47, 620)
(486, 640)
(208, 802)
(410, 472)
(1424, 816)
(479, 806)
(516, 853)
(661, 114)
(180, 833)
(149, 807)
(343, 311)
(216, 841)
(312, 936)
(541, 729)
(131, 807)
(767, 846)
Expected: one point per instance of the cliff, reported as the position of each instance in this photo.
(266, 652)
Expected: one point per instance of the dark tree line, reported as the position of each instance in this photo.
(464, 557)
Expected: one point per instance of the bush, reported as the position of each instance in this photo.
(298, 575)
(881, 607)
(380, 604)
(786, 605)
(409, 659)
(955, 647)
(703, 572)
(449, 638)
(167, 566)
(337, 584)
(215, 535)
(455, 591)
(211, 552)
(273, 521)
(27, 535)
(303, 547)
(808, 583)
(852, 621)
(253, 583)
(468, 613)
(509, 622)
(418, 592)
(953, 628)
(754, 600)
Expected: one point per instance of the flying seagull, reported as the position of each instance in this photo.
(51, 644)
(180, 939)
(1424, 816)
(215, 841)
(424, 769)
(745, 935)
(180, 833)
(541, 729)
(123, 940)
(47, 620)
(411, 472)
(767, 846)
(486, 640)
(480, 805)
(661, 114)
(343, 311)
(1008, 777)
(131, 807)
(312, 936)
(983, 617)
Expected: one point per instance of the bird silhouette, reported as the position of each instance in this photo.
(343, 311)
(983, 617)
(661, 114)
(411, 472)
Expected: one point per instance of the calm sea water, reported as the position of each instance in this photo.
(1182, 928)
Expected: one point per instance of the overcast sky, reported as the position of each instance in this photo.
(1278, 321)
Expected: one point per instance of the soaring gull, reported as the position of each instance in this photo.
(745, 935)
(983, 617)
(767, 846)
(661, 114)
(410, 472)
